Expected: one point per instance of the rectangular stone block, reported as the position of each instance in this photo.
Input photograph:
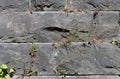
(91, 4)
(50, 26)
(107, 25)
(42, 26)
(74, 58)
(58, 5)
(13, 5)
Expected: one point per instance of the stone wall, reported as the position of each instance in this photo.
(46, 21)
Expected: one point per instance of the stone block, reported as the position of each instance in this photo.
(90, 59)
(13, 5)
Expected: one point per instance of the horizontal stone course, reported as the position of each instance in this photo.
(49, 26)
(58, 5)
(70, 77)
(99, 58)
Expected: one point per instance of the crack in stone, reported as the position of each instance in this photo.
(92, 4)
(56, 29)
(119, 19)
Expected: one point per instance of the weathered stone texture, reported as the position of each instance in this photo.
(58, 5)
(107, 25)
(71, 77)
(91, 59)
(102, 4)
(24, 27)
(49, 26)
(43, 5)
(13, 5)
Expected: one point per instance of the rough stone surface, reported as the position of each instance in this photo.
(49, 26)
(13, 5)
(24, 27)
(93, 77)
(107, 25)
(58, 5)
(90, 59)
(102, 4)
(71, 77)
(41, 5)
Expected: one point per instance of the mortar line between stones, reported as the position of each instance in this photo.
(75, 75)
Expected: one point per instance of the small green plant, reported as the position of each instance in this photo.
(113, 41)
(32, 52)
(76, 73)
(63, 73)
(4, 74)
(29, 70)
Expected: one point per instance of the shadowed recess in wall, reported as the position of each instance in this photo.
(55, 29)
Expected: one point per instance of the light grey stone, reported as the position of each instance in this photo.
(107, 25)
(69, 77)
(92, 77)
(13, 5)
(91, 4)
(44, 77)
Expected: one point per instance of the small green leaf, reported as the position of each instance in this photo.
(7, 76)
(63, 72)
(1, 78)
(4, 66)
(113, 41)
(11, 70)
(0, 70)
(76, 72)
(1, 74)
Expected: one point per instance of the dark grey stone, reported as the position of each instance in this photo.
(107, 25)
(49, 26)
(92, 59)
(54, 5)
(102, 4)
(24, 27)
(41, 5)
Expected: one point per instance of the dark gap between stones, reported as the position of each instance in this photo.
(56, 29)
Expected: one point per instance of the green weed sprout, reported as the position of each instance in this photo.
(4, 74)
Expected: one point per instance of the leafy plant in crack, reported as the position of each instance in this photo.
(63, 73)
(4, 74)
(32, 53)
(29, 71)
(70, 37)
(76, 73)
(113, 41)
